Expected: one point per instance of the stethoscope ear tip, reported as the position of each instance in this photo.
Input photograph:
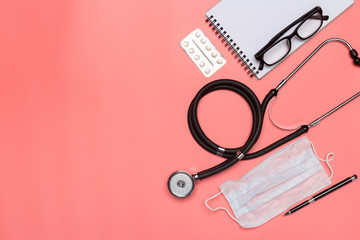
(357, 61)
(354, 55)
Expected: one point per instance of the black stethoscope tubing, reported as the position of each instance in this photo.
(258, 112)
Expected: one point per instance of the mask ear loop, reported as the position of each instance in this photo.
(277, 125)
(327, 159)
(219, 208)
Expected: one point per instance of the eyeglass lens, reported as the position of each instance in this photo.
(310, 26)
(277, 52)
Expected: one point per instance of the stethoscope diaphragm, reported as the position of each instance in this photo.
(181, 184)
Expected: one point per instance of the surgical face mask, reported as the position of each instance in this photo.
(281, 180)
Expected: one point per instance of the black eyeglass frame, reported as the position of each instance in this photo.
(260, 54)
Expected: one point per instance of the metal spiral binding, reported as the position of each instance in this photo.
(239, 55)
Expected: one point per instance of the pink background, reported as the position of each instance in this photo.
(93, 103)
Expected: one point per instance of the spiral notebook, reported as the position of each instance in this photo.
(245, 26)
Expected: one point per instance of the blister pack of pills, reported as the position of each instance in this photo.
(202, 52)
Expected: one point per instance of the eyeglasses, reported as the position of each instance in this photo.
(277, 49)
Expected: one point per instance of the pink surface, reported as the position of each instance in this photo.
(93, 103)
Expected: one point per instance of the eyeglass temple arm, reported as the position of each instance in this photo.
(353, 54)
(325, 17)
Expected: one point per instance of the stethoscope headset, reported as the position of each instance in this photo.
(181, 184)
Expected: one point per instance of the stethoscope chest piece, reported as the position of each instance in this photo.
(181, 184)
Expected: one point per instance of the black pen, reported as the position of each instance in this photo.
(321, 194)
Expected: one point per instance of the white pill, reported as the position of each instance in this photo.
(197, 34)
(202, 64)
(208, 47)
(203, 40)
(207, 71)
(197, 57)
(186, 43)
(219, 61)
(214, 54)
(191, 50)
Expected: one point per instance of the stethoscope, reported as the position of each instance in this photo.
(181, 183)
